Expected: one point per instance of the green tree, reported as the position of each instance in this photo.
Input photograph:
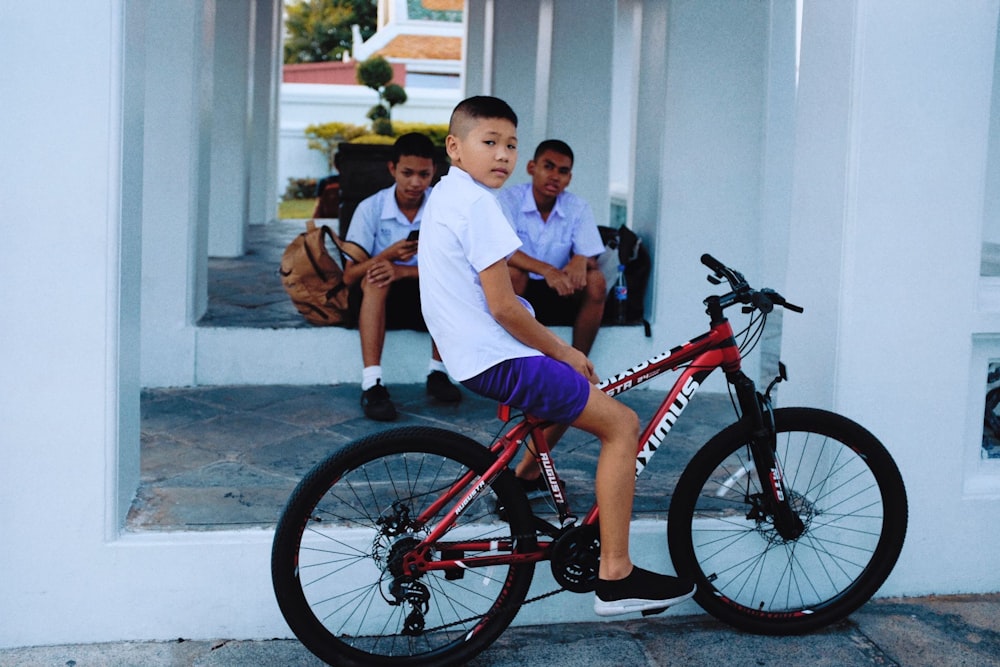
(376, 73)
(320, 30)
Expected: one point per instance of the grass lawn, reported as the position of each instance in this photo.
(296, 209)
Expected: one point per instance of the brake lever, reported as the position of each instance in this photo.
(714, 280)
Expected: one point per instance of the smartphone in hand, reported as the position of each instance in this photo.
(413, 235)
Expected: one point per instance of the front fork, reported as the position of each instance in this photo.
(757, 414)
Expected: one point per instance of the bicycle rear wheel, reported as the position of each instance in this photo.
(847, 491)
(336, 562)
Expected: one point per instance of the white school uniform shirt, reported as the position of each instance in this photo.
(570, 229)
(463, 232)
(377, 223)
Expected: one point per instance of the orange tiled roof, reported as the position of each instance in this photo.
(443, 5)
(424, 46)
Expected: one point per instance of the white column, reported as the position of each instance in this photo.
(176, 187)
(892, 135)
(264, 123)
(61, 132)
(703, 119)
(578, 93)
(553, 66)
(514, 70)
(124, 480)
(229, 190)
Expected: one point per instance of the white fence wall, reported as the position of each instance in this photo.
(304, 104)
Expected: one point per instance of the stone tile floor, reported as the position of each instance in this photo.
(246, 291)
(229, 457)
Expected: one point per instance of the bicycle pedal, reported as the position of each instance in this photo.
(650, 612)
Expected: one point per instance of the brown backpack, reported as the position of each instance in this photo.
(315, 280)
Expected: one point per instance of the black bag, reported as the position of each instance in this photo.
(623, 246)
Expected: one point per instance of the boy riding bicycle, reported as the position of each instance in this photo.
(491, 342)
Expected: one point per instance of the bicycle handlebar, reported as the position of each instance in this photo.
(763, 300)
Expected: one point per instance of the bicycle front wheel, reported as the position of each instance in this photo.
(844, 486)
(339, 547)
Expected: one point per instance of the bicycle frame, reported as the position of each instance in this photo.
(697, 358)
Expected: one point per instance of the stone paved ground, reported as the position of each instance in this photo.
(227, 457)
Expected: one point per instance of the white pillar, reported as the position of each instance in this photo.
(714, 101)
(62, 123)
(892, 135)
(264, 124)
(579, 96)
(230, 182)
(553, 66)
(176, 187)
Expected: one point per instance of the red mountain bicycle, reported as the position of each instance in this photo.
(390, 551)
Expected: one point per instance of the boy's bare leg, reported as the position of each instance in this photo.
(371, 323)
(588, 321)
(588, 318)
(617, 426)
(527, 468)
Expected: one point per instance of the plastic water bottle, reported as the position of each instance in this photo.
(621, 295)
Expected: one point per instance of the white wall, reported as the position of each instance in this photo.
(892, 134)
(700, 185)
(304, 104)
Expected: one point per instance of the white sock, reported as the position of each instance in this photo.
(369, 376)
(436, 365)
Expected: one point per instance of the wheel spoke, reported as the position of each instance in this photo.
(844, 488)
(340, 548)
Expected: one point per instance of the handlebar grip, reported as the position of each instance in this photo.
(792, 307)
(713, 264)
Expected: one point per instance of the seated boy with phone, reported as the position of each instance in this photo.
(384, 287)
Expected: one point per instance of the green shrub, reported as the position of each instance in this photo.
(325, 137)
(376, 73)
(300, 188)
(436, 131)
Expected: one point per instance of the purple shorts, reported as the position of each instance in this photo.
(540, 386)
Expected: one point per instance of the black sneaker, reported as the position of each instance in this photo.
(441, 388)
(641, 590)
(377, 404)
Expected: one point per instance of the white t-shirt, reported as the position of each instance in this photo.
(570, 229)
(463, 232)
(377, 223)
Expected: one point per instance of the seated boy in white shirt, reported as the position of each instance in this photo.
(494, 346)
(556, 267)
(384, 292)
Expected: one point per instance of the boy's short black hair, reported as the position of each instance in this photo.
(412, 143)
(556, 146)
(483, 106)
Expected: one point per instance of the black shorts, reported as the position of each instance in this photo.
(402, 308)
(550, 308)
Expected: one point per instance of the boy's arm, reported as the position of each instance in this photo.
(576, 270)
(382, 268)
(511, 314)
(554, 277)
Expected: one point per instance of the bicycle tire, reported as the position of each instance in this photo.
(332, 561)
(848, 492)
